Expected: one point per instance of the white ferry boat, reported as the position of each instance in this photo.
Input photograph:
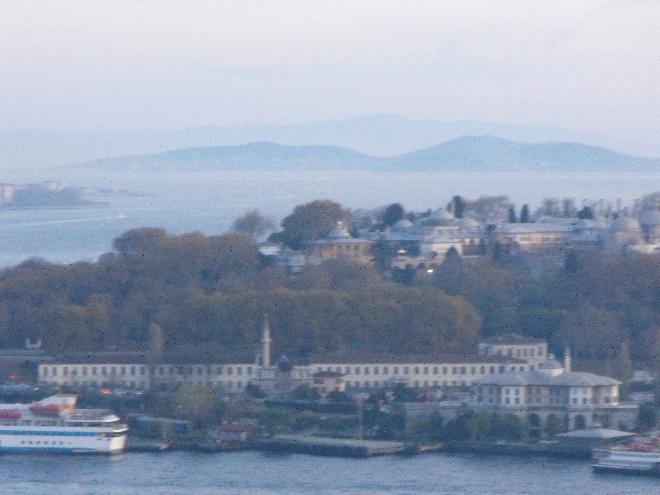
(638, 458)
(55, 425)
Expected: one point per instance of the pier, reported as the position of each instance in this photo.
(334, 447)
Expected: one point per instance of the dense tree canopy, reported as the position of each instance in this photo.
(311, 221)
(196, 293)
(198, 296)
(593, 305)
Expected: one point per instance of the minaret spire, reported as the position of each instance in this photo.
(266, 342)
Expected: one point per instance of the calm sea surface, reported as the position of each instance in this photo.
(208, 202)
(180, 473)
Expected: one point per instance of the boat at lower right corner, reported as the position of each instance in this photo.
(636, 458)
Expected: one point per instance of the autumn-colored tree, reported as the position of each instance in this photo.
(253, 224)
(312, 221)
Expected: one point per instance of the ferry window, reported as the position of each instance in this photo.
(463, 370)
(406, 370)
(84, 370)
(218, 370)
(132, 368)
(396, 370)
(417, 370)
(104, 370)
(45, 370)
(143, 370)
(249, 370)
(93, 370)
(376, 370)
(74, 371)
(473, 370)
(435, 370)
(482, 370)
(366, 370)
(386, 370)
(239, 370)
(200, 370)
(54, 370)
(357, 370)
(426, 370)
(347, 370)
(229, 370)
(113, 370)
(454, 370)
(65, 370)
(444, 370)
(123, 370)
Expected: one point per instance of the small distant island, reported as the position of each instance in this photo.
(50, 194)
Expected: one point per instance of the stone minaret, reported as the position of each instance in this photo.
(567, 359)
(266, 343)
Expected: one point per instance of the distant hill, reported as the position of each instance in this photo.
(479, 153)
(253, 156)
(379, 134)
(473, 153)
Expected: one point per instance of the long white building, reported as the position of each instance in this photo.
(504, 355)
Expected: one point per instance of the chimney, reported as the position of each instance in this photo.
(567, 359)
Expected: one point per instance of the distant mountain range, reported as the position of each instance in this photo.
(472, 153)
(381, 135)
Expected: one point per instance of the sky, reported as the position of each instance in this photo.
(591, 65)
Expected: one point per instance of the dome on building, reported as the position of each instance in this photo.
(550, 364)
(625, 224)
(650, 218)
(444, 217)
(403, 224)
(339, 232)
(469, 223)
(284, 365)
(551, 367)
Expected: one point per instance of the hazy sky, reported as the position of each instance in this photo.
(591, 64)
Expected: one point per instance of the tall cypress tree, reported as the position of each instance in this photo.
(512, 215)
(524, 214)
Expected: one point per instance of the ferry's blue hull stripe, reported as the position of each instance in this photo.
(50, 433)
(53, 450)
